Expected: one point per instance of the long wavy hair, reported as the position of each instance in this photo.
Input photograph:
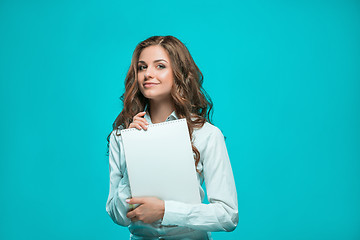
(190, 99)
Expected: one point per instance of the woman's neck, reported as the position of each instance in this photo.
(159, 111)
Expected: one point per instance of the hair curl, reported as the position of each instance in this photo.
(190, 99)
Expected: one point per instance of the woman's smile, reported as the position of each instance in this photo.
(150, 84)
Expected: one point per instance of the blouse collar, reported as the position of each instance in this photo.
(171, 117)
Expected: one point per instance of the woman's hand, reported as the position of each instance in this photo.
(150, 210)
(139, 121)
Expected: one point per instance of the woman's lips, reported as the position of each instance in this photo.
(147, 85)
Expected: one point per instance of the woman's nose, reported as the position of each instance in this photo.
(149, 73)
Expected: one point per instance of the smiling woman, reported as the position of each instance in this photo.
(164, 84)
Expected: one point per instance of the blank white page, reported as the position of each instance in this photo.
(160, 162)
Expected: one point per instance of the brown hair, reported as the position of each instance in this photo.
(190, 99)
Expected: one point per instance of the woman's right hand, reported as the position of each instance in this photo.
(139, 121)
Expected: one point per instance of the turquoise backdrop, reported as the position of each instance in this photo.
(284, 77)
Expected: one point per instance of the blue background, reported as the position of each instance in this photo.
(284, 77)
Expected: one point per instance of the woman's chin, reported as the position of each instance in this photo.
(157, 98)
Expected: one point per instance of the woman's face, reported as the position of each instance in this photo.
(155, 75)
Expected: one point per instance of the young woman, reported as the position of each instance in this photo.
(163, 84)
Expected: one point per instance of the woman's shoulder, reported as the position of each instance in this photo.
(116, 134)
(208, 130)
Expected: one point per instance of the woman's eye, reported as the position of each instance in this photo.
(161, 66)
(141, 67)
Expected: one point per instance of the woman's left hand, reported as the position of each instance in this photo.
(150, 210)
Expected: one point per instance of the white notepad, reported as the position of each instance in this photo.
(160, 162)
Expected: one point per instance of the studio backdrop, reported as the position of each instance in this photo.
(284, 78)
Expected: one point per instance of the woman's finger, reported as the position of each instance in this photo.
(142, 120)
(140, 114)
(131, 214)
(144, 126)
(140, 125)
(135, 125)
(138, 118)
(137, 200)
(139, 122)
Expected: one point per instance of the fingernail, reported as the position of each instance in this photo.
(127, 200)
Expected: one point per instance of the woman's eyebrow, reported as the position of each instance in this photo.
(157, 60)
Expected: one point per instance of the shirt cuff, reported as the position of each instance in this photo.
(176, 213)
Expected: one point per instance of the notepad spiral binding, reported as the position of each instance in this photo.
(156, 124)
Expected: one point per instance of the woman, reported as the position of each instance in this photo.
(163, 84)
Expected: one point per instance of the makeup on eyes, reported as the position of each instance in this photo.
(141, 67)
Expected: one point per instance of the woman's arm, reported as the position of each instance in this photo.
(221, 214)
(116, 205)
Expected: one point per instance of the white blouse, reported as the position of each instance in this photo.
(181, 220)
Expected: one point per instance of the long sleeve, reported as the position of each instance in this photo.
(119, 190)
(221, 214)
